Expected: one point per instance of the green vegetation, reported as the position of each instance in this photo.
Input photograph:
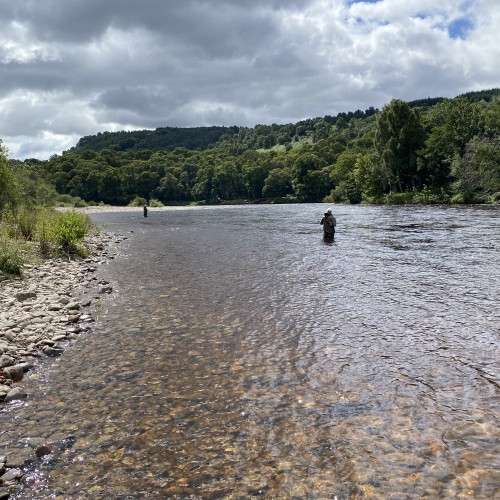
(432, 150)
(29, 228)
(429, 151)
(28, 233)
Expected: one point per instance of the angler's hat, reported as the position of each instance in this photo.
(329, 211)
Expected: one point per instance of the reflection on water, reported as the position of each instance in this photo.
(242, 356)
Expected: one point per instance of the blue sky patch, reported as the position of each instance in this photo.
(460, 28)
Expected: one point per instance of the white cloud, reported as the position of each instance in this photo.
(76, 67)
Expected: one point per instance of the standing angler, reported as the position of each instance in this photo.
(329, 222)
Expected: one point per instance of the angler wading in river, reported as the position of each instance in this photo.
(329, 222)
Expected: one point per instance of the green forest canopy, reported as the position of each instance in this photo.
(433, 150)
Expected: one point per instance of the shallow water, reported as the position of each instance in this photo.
(241, 355)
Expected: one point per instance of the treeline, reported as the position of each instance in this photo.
(238, 139)
(433, 150)
(155, 140)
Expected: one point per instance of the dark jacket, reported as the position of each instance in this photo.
(329, 222)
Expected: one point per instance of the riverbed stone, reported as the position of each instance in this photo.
(21, 296)
(19, 457)
(52, 351)
(6, 360)
(42, 450)
(11, 475)
(15, 372)
(16, 394)
(41, 308)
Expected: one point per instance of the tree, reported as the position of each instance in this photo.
(109, 188)
(477, 173)
(452, 123)
(8, 185)
(278, 183)
(370, 176)
(202, 190)
(169, 188)
(399, 135)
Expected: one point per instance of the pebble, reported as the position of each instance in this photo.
(38, 312)
(46, 307)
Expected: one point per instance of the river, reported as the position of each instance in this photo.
(242, 355)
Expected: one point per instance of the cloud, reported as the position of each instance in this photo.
(70, 68)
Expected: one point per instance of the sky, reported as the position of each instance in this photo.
(71, 68)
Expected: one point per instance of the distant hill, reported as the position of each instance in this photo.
(481, 95)
(155, 140)
(238, 139)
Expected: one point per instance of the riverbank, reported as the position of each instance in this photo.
(40, 313)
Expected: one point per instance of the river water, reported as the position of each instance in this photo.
(242, 355)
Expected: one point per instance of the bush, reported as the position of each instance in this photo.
(69, 229)
(398, 198)
(431, 197)
(153, 202)
(138, 202)
(67, 200)
(11, 261)
(63, 231)
(27, 221)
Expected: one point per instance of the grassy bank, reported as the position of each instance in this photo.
(27, 235)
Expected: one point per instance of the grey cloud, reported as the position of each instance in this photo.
(215, 27)
(96, 65)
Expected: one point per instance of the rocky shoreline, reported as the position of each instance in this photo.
(48, 306)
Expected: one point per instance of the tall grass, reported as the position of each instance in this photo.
(47, 232)
(11, 260)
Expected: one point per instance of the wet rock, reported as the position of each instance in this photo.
(43, 450)
(4, 390)
(59, 337)
(6, 360)
(19, 457)
(11, 475)
(105, 289)
(27, 366)
(15, 372)
(15, 394)
(52, 351)
(39, 310)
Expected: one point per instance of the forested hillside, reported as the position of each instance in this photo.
(433, 150)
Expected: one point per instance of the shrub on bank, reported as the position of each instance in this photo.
(63, 232)
(47, 231)
(11, 262)
(138, 201)
(154, 203)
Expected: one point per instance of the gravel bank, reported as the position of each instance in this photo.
(48, 306)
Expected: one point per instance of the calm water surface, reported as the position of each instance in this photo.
(241, 356)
